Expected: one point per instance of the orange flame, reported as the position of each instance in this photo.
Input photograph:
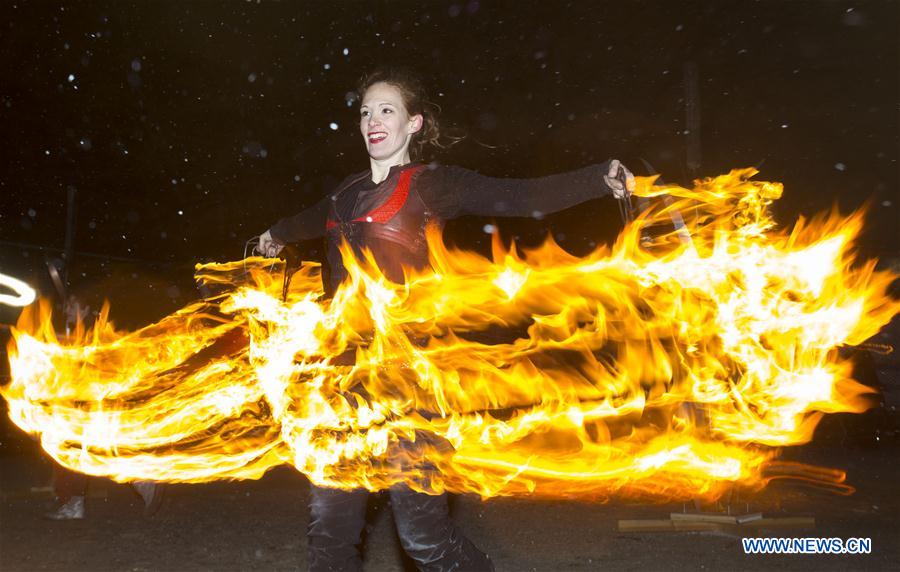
(659, 367)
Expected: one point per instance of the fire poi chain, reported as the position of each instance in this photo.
(660, 369)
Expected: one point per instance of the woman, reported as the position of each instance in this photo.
(386, 210)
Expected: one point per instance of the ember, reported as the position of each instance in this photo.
(661, 368)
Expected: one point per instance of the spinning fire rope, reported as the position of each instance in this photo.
(664, 369)
(22, 295)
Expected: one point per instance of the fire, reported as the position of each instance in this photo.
(664, 368)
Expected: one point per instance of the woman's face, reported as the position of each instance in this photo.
(385, 123)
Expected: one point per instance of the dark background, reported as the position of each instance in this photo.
(188, 127)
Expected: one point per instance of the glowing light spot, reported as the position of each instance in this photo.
(23, 293)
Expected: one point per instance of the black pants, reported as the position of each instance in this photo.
(426, 532)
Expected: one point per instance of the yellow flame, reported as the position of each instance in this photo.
(662, 368)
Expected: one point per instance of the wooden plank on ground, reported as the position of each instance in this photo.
(666, 525)
(783, 522)
(716, 517)
(681, 524)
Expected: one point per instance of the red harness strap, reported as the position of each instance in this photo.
(390, 207)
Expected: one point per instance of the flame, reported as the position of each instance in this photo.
(658, 367)
(23, 293)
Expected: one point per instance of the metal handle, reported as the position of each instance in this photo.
(292, 260)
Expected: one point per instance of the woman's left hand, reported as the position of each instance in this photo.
(619, 179)
(268, 246)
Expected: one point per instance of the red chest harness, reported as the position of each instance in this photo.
(386, 211)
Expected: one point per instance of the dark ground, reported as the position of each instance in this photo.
(261, 524)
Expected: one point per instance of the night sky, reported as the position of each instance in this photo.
(187, 128)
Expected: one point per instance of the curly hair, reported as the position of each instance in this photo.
(415, 98)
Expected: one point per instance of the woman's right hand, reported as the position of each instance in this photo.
(619, 180)
(268, 246)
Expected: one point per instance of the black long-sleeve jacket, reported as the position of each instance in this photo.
(390, 217)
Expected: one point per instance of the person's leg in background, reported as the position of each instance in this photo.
(152, 493)
(69, 488)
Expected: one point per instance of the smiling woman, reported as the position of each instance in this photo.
(385, 211)
(396, 119)
(23, 293)
(386, 126)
